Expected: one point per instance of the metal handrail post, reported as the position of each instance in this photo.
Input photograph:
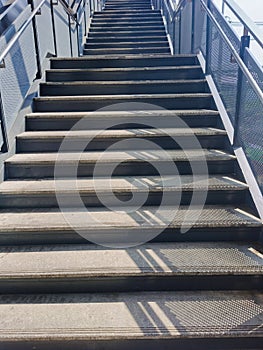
(208, 40)
(36, 42)
(245, 41)
(53, 27)
(5, 146)
(193, 27)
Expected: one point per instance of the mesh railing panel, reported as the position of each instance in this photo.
(250, 120)
(20, 69)
(223, 69)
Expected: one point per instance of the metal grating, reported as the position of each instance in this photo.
(251, 114)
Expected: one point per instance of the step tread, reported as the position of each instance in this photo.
(120, 96)
(84, 261)
(93, 220)
(137, 57)
(142, 114)
(121, 184)
(126, 69)
(102, 134)
(124, 82)
(93, 317)
(120, 156)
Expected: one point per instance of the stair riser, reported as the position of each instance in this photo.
(168, 235)
(35, 171)
(112, 89)
(116, 41)
(108, 22)
(53, 145)
(124, 28)
(56, 123)
(127, 7)
(41, 105)
(126, 24)
(91, 200)
(131, 284)
(126, 33)
(168, 343)
(128, 17)
(124, 63)
(105, 46)
(154, 50)
(127, 14)
(118, 75)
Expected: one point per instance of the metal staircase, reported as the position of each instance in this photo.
(127, 121)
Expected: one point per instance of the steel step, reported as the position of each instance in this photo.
(41, 165)
(124, 74)
(130, 23)
(126, 45)
(91, 140)
(116, 40)
(126, 33)
(131, 29)
(151, 267)
(119, 62)
(123, 87)
(219, 320)
(125, 51)
(127, 20)
(92, 103)
(108, 192)
(120, 119)
(126, 227)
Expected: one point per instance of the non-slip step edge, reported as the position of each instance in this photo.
(120, 120)
(152, 267)
(42, 193)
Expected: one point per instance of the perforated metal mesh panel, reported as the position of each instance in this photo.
(250, 122)
(223, 68)
(20, 69)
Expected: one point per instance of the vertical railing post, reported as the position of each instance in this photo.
(77, 29)
(245, 42)
(208, 41)
(4, 147)
(180, 33)
(193, 27)
(173, 23)
(36, 42)
(53, 27)
(70, 36)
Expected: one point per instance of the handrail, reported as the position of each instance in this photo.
(252, 28)
(20, 31)
(28, 21)
(239, 61)
(9, 8)
(69, 10)
(179, 7)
